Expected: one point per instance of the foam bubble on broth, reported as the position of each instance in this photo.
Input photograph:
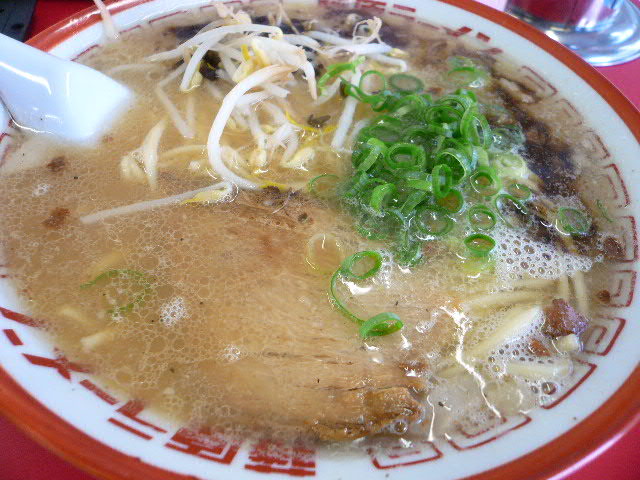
(518, 255)
(173, 311)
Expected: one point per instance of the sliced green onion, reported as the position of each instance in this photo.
(409, 253)
(480, 156)
(346, 270)
(380, 196)
(572, 221)
(432, 221)
(337, 69)
(387, 121)
(413, 100)
(404, 83)
(370, 228)
(374, 73)
(465, 72)
(396, 218)
(387, 133)
(479, 244)
(466, 76)
(510, 165)
(418, 134)
(485, 182)
(336, 301)
(439, 144)
(407, 250)
(385, 101)
(357, 184)
(468, 95)
(475, 265)
(378, 325)
(452, 202)
(460, 101)
(381, 324)
(323, 185)
(505, 138)
(442, 114)
(441, 180)
(460, 61)
(501, 201)
(419, 184)
(405, 156)
(457, 162)
(139, 277)
(520, 191)
(475, 128)
(481, 217)
(116, 273)
(376, 150)
(408, 160)
(379, 101)
(604, 211)
(349, 263)
(409, 107)
(413, 200)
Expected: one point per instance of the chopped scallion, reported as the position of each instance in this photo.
(481, 217)
(452, 202)
(378, 325)
(335, 70)
(604, 211)
(520, 191)
(323, 186)
(505, 202)
(479, 244)
(404, 83)
(139, 279)
(380, 196)
(441, 179)
(572, 221)
(485, 182)
(405, 156)
(381, 324)
(432, 221)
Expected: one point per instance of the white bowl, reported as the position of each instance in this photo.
(113, 437)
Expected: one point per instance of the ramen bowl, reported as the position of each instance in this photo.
(61, 405)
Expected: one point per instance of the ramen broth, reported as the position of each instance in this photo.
(216, 309)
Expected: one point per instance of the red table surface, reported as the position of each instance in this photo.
(23, 459)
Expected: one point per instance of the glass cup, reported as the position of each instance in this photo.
(603, 32)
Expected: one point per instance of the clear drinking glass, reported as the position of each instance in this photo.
(603, 32)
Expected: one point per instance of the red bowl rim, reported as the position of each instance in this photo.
(555, 459)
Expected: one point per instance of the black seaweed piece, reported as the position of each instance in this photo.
(311, 55)
(546, 155)
(261, 20)
(343, 90)
(394, 37)
(288, 29)
(285, 27)
(541, 227)
(318, 68)
(550, 159)
(318, 122)
(186, 32)
(209, 65)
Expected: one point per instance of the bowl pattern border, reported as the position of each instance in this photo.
(605, 424)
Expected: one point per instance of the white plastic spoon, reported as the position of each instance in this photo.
(48, 94)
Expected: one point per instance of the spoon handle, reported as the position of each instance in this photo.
(45, 93)
(15, 18)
